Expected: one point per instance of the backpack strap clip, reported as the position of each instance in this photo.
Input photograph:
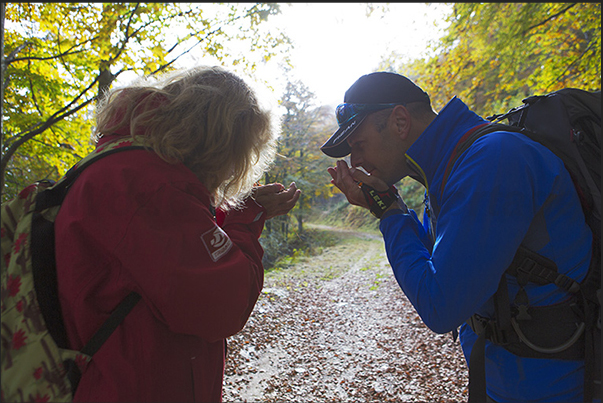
(530, 266)
(568, 284)
(480, 324)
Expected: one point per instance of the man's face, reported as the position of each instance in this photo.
(379, 153)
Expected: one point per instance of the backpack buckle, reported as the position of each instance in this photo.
(494, 333)
(566, 283)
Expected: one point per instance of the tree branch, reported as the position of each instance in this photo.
(11, 57)
(40, 129)
(68, 52)
(576, 60)
(250, 12)
(127, 36)
(548, 19)
(164, 66)
(20, 138)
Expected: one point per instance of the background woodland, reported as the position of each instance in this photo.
(58, 59)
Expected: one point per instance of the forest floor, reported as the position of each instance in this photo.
(336, 327)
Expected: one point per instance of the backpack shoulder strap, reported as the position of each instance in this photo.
(115, 319)
(43, 256)
(54, 196)
(468, 139)
(117, 316)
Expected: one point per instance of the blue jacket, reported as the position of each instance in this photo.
(505, 190)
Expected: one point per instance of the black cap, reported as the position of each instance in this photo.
(375, 88)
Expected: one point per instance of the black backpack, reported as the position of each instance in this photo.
(568, 122)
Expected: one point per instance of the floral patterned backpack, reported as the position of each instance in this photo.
(37, 365)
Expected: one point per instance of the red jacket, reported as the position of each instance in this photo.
(132, 222)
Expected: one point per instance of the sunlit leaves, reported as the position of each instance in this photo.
(494, 54)
(60, 56)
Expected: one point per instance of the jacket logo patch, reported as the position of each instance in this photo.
(217, 243)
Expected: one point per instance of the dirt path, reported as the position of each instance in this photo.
(337, 327)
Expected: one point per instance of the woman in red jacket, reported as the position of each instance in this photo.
(177, 223)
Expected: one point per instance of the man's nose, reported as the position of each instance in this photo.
(355, 160)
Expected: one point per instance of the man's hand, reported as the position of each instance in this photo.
(347, 179)
(275, 199)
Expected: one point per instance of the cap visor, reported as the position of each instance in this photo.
(337, 146)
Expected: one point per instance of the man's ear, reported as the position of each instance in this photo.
(402, 121)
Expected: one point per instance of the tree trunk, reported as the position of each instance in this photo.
(300, 222)
(3, 69)
(105, 78)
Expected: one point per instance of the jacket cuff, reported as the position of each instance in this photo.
(250, 213)
(393, 212)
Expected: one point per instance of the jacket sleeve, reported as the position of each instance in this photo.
(196, 277)
(488, 205)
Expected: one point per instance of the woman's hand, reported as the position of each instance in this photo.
(275, 199)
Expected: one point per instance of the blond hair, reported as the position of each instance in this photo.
(205, 117)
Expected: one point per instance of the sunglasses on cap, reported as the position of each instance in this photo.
(346, 112)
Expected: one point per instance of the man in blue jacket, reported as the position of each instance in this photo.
(504, 191)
